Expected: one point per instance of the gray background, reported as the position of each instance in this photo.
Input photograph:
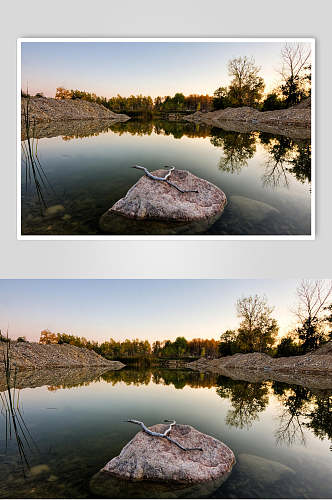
(165, 259)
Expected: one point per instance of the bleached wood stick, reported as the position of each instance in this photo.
(161, 435)
(165, 179)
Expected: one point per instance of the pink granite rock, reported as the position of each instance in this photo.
(155, 200)
(149, 458)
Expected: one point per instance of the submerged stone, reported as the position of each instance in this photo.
(262, 470)
(153, 467)
(54, 210)
(251, 210)
(151, 201)
(39, 469)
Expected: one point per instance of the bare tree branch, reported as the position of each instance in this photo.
(165, 179)
(161, 435)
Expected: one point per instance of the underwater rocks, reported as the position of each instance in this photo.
(163, 209)
(250, 210)
(261, 469)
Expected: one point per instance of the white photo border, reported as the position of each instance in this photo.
(106, 237)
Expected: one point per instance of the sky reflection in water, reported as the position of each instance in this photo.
(76, 422)
(89, 170)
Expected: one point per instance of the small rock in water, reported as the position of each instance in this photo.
(39, 469)
(54, 210)
(150, 200)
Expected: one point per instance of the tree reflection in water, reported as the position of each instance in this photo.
(303, 409)
(238, 149)
(248, 400)
(286, 157)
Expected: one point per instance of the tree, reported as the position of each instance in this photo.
(294, 72)
(180, 346)
(228, 343)
(246, 88)
(62, 93)
(272, 101)
(328, 319)
(221, 99)
(313, 297)
(47, 337)
(21, 339)
(287, 347)
(258, 330)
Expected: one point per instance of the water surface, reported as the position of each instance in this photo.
(265, 177)
(281, 434)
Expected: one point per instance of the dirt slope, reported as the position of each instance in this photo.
(47, 109)
(30, 355)
(298, 116)
(318, 362)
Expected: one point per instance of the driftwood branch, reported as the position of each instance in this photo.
(161, 435)
(165, 179)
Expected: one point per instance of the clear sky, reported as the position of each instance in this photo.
(152, 309)
(148, 68)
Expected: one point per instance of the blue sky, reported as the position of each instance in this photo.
(152, 309)
(149, 68)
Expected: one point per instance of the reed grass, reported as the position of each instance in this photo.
(12, 410)
(34, 171)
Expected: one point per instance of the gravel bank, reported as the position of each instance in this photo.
(30, 355)
(315, 364)
(47, 109)
(295, 117)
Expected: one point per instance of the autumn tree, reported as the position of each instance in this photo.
(246, 87)
(47, 337)
(62, 93)
(258, 329)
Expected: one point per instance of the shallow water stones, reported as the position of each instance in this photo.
(156, 201)
(153, 467)
(250, 210)
(262, 470)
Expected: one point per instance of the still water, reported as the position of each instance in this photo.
(86, 169)
(281, 434)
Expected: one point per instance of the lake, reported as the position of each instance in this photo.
(281, 434)
(86, 169)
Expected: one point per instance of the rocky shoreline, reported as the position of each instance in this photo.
(44, 109)
(312, 368)
(32, 356)
(295, 120)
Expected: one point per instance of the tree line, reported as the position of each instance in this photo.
(246, 88)
(257, 332)
(258, 329)
(136, 348)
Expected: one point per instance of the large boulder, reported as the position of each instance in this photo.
(155, 207)
(153, 466)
